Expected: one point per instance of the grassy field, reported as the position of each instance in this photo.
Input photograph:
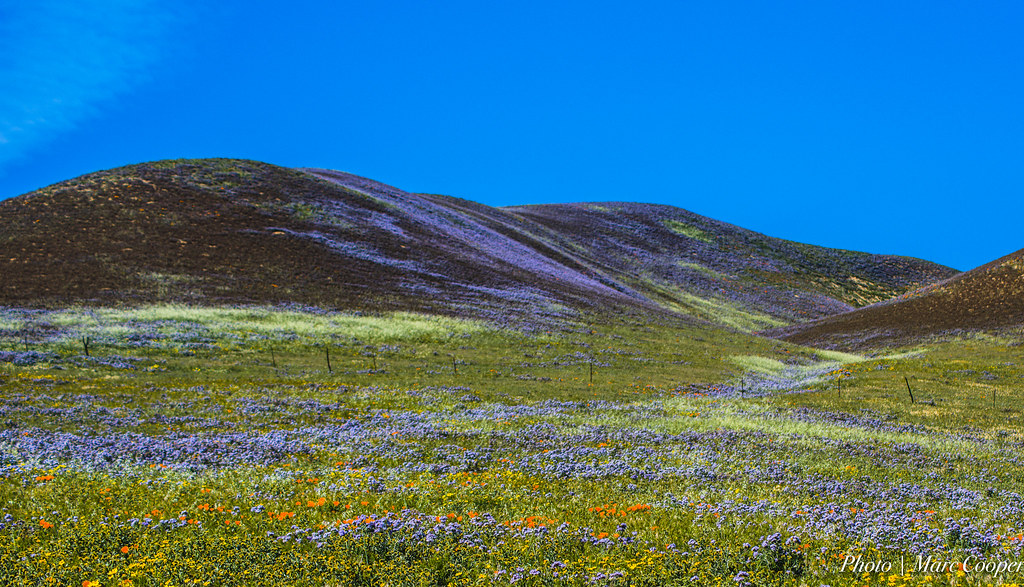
(217, 447)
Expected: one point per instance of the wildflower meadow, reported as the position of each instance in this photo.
(174, 446)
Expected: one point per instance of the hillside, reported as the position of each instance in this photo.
(231, 231)
(722, 272)
(989, 298)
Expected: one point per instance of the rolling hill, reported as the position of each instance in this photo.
(231, 231)
(989, 298)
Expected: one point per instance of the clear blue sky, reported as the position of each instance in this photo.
(890, 127)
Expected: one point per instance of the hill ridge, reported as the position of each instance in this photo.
(237, 231)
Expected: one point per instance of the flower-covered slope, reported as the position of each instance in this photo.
(717, 270)
(228, 231)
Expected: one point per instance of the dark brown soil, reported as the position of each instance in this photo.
(989, 298)
(148, 233)
(226, 231)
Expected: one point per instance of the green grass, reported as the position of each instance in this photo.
(723, 312)
(488, 443)
(954, 376)
(688, 230)
(230, 323)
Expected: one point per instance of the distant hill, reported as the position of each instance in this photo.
(722, 272)
(989, 298)
(218, 231)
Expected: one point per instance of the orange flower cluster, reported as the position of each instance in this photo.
(612, 510)
(531, 522)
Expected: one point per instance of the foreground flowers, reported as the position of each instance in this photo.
(140, 470)
(441, 495)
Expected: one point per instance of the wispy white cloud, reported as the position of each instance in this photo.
(63, 60)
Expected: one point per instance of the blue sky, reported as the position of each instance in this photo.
(878, 126)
